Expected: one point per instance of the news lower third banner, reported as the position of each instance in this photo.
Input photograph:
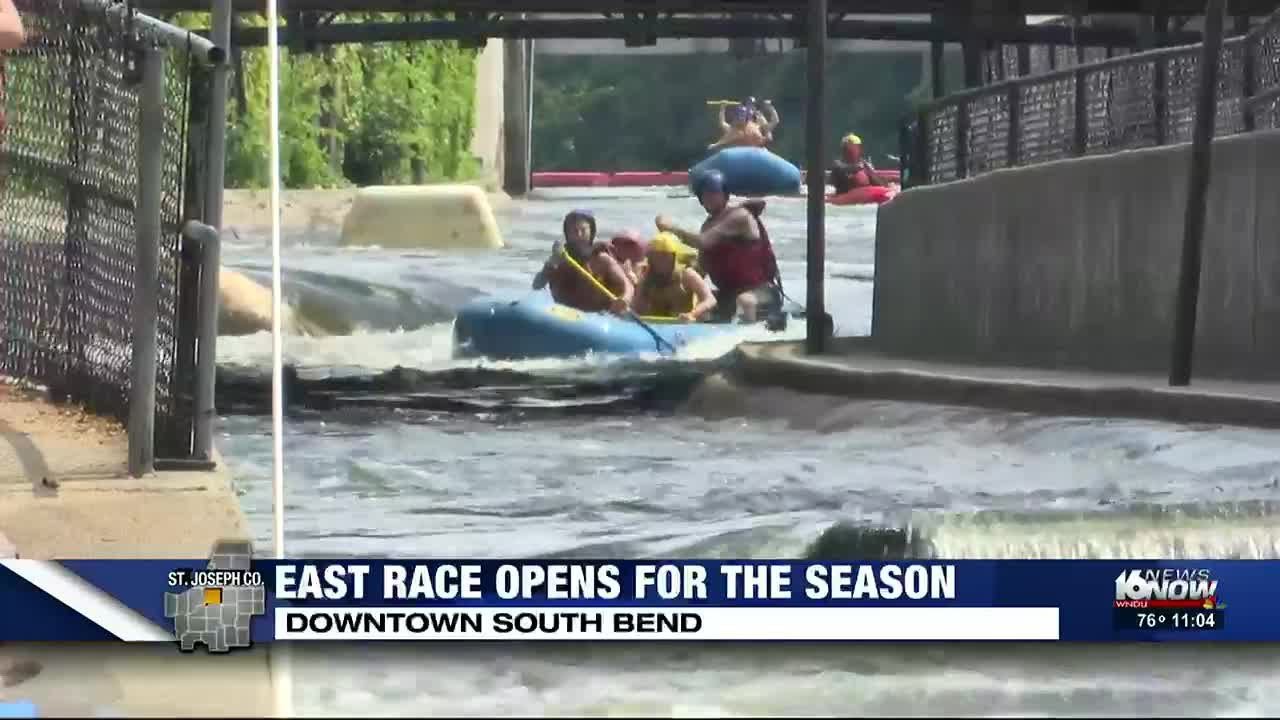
(233, 601)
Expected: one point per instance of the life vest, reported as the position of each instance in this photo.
(569, 287)
(845, 175)
(866, 170)
(737, 265)
(671, 299)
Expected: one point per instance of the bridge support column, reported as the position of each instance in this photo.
(963, 15)
(1153, 28)
(816, 327)
(486, 136)
(937, 56)
(517, 120)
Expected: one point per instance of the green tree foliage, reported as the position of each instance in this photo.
(354, 114)
(414, 99)
(650, 112)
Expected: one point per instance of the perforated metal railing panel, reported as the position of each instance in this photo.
(1122, 103)
(1266, 64)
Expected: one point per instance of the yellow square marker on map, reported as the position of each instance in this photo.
(213, 596)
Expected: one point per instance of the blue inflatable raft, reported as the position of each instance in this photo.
(535, 326)
(751, 171)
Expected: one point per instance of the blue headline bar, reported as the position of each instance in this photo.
(1114, 600)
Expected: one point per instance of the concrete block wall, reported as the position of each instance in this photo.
(486, 136)
(1075, 264)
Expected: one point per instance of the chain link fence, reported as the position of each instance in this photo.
(1111, 104)
(69, 197)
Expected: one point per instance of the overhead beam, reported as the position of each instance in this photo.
(717, 7)
(596, 29)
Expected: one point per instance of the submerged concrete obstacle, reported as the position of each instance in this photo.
(244, 306)
(441, 217)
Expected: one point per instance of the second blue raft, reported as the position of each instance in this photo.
(751, 171)
(535, 326)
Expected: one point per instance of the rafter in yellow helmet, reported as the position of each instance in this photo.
(665, 242)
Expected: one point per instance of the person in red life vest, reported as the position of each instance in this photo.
(12, 34)
(571, 285)
(734, 251)
(853, 170)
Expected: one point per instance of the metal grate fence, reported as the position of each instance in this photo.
(1122, 103)
(69, 201)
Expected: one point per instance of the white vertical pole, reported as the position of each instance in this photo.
(282, 682)
(277, 339)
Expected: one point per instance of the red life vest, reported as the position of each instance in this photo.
(737, 265)
(569, 287)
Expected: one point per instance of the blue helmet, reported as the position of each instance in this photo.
(709, 181)
(583, 215)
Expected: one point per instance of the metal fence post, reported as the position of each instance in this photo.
(1080, 136)
(1184, 330)
(937, 70)
(1012, 154)
(1024, 60)
(1249, 80)
(1159, 99)
(815, 111)
(904, 153)
(77, 220)
(530, 54)
(179, 430)
(211, 251)
(150, 151)
(920, 161)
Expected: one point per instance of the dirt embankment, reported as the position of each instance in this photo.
(33, 412)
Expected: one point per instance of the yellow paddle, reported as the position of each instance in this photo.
(609, 294)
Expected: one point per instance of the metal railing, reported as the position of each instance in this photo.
(1127, 102)
(105, 149)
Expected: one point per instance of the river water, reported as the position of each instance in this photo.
(719, 473)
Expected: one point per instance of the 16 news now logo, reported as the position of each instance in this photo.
(1167, 588)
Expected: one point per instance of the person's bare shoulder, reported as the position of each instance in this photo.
(607, 263)
(740, 215)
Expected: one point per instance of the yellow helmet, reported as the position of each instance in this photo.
(851, 139)
(665, 242)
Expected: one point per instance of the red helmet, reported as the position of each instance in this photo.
(628, 245)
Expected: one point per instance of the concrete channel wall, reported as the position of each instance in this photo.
(1075, 264)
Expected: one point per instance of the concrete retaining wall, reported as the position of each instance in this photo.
(1075, 264)
(486, 136)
